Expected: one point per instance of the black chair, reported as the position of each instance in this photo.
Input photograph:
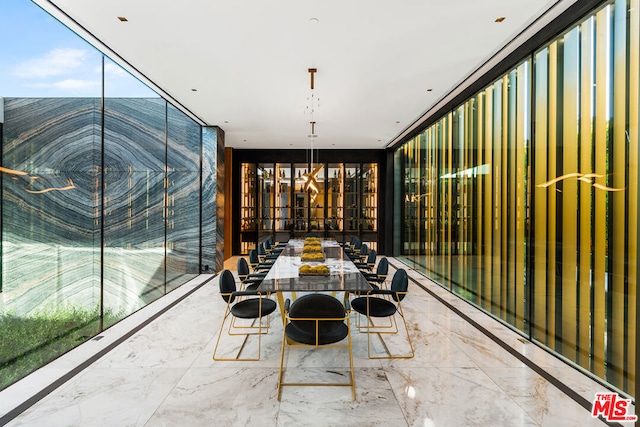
(377, 279)
(355, 248)
(316, 320)
(369, 263)
(271, 249)
(255, 263)
(272, 240)
(360, 254)
(264, 256)
(372, 306)
(250, 281)
(240, 305)
(348, 244)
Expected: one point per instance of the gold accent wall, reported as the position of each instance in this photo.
(523, 199)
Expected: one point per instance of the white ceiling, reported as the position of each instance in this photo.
(248, 59)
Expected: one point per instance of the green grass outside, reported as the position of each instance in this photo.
(29, 342)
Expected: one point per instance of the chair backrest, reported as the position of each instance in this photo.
(267, 245)
(243, 268)
(357, 244)
(352, 241)
(317, 306)
(383, 267)
(364, 249)
(400, 283)
(253, 257)
(261, 250)
(227, 285)
(371, 258)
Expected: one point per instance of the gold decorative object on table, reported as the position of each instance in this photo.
(312, 247)
(312, 250)
(317, 270)
(312, 257)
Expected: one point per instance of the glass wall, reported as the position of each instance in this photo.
(100, 209)
(539, 226)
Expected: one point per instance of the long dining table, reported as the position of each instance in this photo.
(284, 275)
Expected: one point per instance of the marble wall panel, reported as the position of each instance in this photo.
(52, 203)
(220, 198)
(183, 231)
(134, 137)
(50, 236)
(209, 180)
(133, 240)
(1, 139)
(48, 135)
(183, 142)
(134, 197)
(184, 139)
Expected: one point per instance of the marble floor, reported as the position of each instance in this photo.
(164, 375)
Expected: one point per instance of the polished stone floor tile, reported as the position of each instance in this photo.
(164, 375)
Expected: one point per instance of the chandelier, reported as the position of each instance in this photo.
(310, 179)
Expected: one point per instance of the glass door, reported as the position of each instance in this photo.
(335, 200)
(247, 207)
(266, 186)
(352, 198)
(284, 211)
(300, 200)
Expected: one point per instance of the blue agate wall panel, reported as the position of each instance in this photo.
(100, 186)
(183, 198)
(134, 158)
(220, 200)
(208, 239)
(50, 234)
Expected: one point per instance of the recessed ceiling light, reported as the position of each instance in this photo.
(194, 90)
(379, 140)
(429, 90)
(226, 121)
(500, 19)
(123, 19)
(244, 140)
(314, 20)
(397, 121)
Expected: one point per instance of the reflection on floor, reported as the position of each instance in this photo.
(164, 375)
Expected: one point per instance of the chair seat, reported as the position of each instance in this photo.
(250, 308)
(378, 307)
(324, 337)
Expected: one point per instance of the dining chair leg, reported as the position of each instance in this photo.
(284, 337)
(384, 344)
(353, 377)
(224, 319)
(260, 331)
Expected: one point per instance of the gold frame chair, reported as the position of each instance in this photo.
(318, 328)
(249, 281)
(244, 307)
(374, 306)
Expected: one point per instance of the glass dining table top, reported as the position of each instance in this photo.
(284, 274)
